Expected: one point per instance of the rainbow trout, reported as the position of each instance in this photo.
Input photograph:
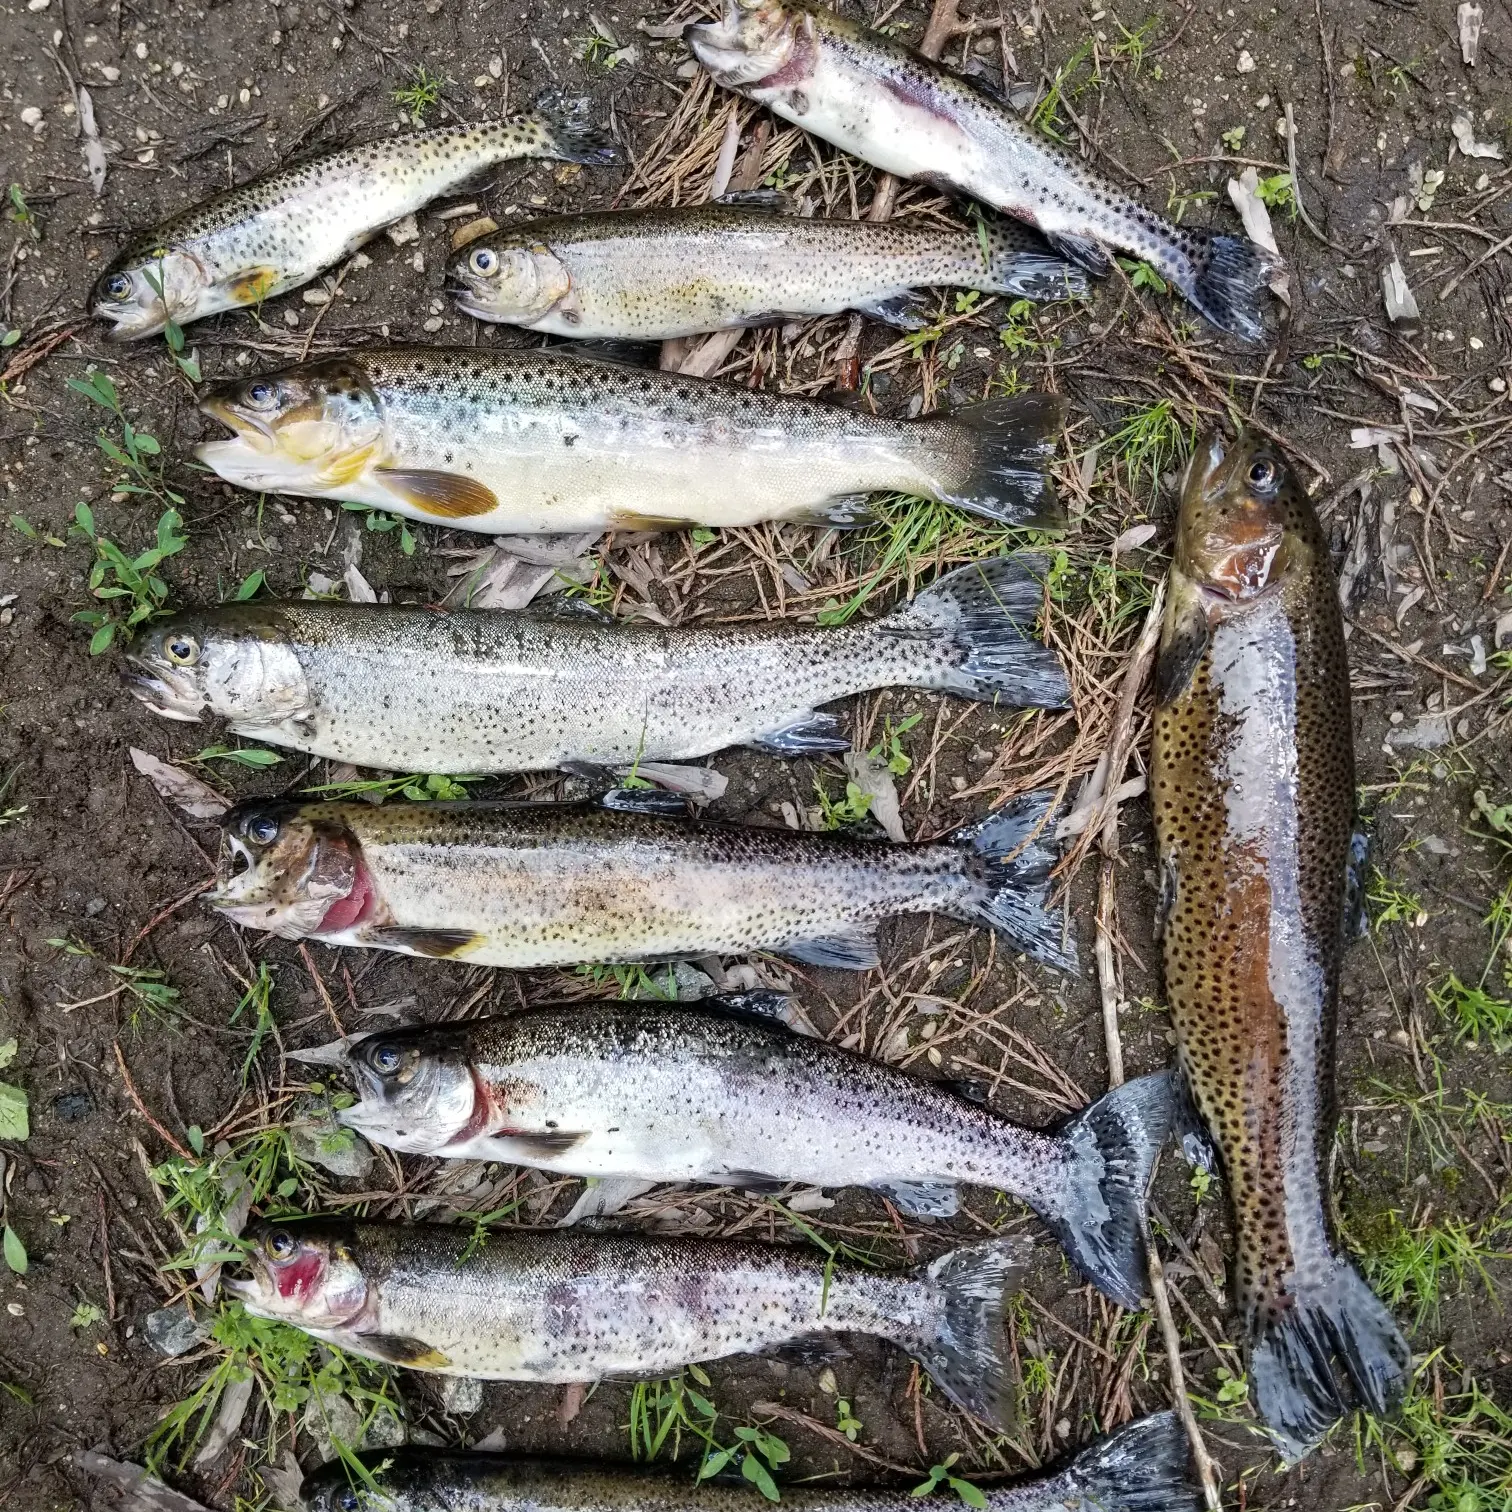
(903, 113)
(646, 275)
(552, 884)
(585, 1089)
(534, 441)
(563, 1306)
(279, 231)
(1144, 1467)
(412, 690)
(1253, 792)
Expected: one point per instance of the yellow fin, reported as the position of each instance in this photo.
(399, 1350)
(449, 495)
(253, 286)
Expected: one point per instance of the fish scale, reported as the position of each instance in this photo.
(1252, 787)
(649, 275)
(413, 690)
(536, 441)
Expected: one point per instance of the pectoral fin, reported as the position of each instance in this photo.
(756, 1182)
(448, 496)
(252, 285)
(545, 1145)
(1183, 642)
(438, 943)
(399, 1350)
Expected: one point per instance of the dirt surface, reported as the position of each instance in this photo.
(189, 100)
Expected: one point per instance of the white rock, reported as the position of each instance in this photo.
(109, 72)
(31, 116)
(1246, 63)
(37, 5)
(1397, 293)
(1464, 134)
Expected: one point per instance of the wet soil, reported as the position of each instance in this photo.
(197, 98)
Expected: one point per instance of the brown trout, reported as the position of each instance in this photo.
(568, 1306)
(1143, 1467)
(522, 885)
(411, 690)
(900, 111)
(262, 238)
(646, 275)
(536, 441)
(1253, 795)
(585, 1090)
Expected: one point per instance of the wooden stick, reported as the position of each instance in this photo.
(141, 1107)
(1200, 1455)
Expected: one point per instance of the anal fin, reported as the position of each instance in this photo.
(756, 1182)
(905, 311)
(448, 496)
(808, 733)
(854, 949)
(922, 1199)
(1082, 251)
(438, 943)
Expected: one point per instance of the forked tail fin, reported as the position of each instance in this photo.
(1008, 444)
(1144, 1467)
(1099, 1217)
(986, 611)
(1321, 1350)
(1012, 876)
(967, 1354)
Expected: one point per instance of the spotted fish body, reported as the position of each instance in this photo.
(694, 1093)
(1253, 793)
(532, 441)
(648, 275)
(411, 690)
(552, 884)
(260, 239)
(1143, 1467)
(563, 1306)
(909, 116)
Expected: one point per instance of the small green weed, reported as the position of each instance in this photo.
(137, 456)
(381, 522)
(247, 756)
(632, 981)
(846, 1421)
(21, 214)
(147, 986)
(842, 813)
(1143, 276)
(1416, 1264)
(129, 585)
(1233, 138)
(1276, 193)
(1392, 904)
(173, 332)
(1151, 442)
(1474, 1013)
(597, 51)
(259, 998)
(423, 94)
(941, 1474)
(890, 748)
(417, 785)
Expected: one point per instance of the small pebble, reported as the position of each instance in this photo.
(1246, 63)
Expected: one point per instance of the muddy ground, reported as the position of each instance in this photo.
(189, 100)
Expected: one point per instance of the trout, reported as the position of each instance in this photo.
(536, 441)
(250, 243)
(1253, 793)
(910, 116)
(551, 884)
(561, 1306)
(647, 275)
(411, 690)
(1143, 1467)
(585, 1090)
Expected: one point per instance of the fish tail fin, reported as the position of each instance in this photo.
(1011, 871)
(999, 460)
(1227, 274)
(966, 1354)
(1030, 272)
(1144, 1467)
(566, 132)
(985, 613)
(1319, 1350)
(1099, 1207)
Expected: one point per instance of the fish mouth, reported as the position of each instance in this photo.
(254, 432)
(161, 695)
(125, 325)
(471, 303)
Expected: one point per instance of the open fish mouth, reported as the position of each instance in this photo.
(126, 322)
(254, 432)
(162, 695)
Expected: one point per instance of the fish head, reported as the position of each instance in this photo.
(415, 1087)
(139, 293)
(516, 282)
(237, 664)
(751, 41)
(292, 869)
(307, 429)
(1234, 535)
(301, 1273)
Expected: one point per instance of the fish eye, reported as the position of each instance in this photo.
(261, 829)
(118, 285)
(348, 1501)
(386, 1059)
(181, 650)
(261, 393)
(483, 261)
(280, 1244)
(1263, 474)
